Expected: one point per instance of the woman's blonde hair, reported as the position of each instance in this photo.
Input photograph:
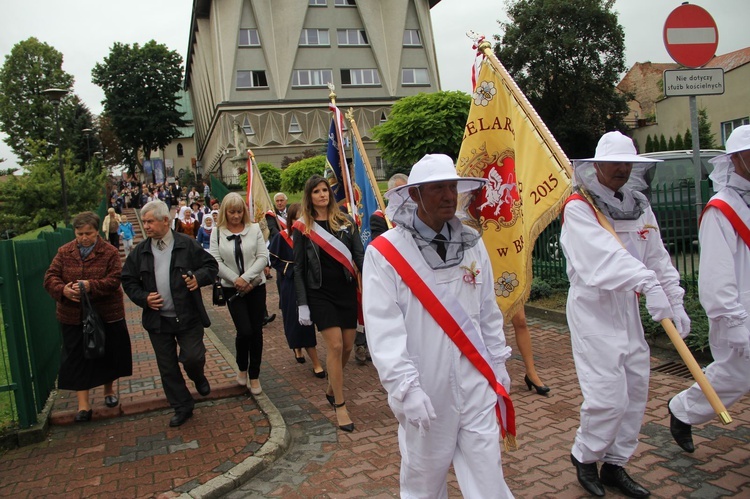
(336, 218)
(232, 201)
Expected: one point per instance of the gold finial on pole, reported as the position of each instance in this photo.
(332, 95)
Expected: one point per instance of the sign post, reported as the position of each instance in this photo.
(691, 38)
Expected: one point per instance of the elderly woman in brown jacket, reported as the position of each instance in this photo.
(94, 263)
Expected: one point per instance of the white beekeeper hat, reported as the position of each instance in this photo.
(738, 141)
(613, 147)
(433, 168)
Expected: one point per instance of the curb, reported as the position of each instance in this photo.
(277, 444)
(543, 313)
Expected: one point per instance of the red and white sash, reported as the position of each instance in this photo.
(285, 236)
(281, 220)
(726, 208)
(328, 243)
(446, 310)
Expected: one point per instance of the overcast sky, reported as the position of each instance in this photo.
(84, 31)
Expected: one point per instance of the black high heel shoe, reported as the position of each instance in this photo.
(331, 400)
(344, 427)
(541, 390)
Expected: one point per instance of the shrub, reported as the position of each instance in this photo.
(271, 177)
(540, 289)
(698, 338)
(296, 174)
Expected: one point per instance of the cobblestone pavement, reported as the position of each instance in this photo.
(131, 452)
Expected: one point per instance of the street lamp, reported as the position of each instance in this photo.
(55, 95)
(87, 132)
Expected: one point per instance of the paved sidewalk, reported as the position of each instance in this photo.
(233, 445)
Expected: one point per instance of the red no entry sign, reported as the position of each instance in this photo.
(691, 36)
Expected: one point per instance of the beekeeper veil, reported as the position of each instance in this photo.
(405, 201)
(724, 168)
(614, 147)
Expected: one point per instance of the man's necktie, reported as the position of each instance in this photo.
(160, 244)
(439, 242)
(238, 258)
(618, 195)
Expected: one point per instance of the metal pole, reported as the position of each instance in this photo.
(696, 155)
(60, 164)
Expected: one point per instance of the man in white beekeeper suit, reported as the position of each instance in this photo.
(607, 276)
(431, 265)
(724, 289)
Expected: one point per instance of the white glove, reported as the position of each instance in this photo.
(418, 409)
(657, 304)
(304, 315)
(501, 373)
(681, 320)
(738, 338)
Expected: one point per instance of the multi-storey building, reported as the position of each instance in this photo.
(257, 71)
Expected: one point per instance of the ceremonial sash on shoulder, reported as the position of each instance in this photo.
(576, 197)
(328, 243)
(286, 238)
(732, 216)
(379, 213)
(281, 220)
(445, 309)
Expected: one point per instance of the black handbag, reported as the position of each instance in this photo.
(94, 335)
(218, 293)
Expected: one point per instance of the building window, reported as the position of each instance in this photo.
(415, 76)
(251, 79)
(247, 127)
(180, 151)
(312, 77)
(360, 77)
(344, 3)
(311, 36)
(411, 38)
(317, 3)
(728, 126)
(294, 125)
(383, 118)
(249, 37)
(351, 37)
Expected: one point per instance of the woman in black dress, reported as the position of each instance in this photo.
(90, 261)
(282, 259)
(328, 256)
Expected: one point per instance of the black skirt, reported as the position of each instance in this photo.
(335, 303)
(78, 373)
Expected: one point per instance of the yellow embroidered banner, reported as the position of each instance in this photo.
(526, 181)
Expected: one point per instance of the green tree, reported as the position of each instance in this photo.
(271, 178)
(662, 143)
(706, 138)
(567, 58)
(688, 139)
(649, 144)
(293, 178)
(678, 143)
(33, 199)
(140, 96)
(26, 114)
(670, 144)
(422, 124)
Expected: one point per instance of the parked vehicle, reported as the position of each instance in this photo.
(671, 191)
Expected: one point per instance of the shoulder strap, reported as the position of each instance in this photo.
(732, 216)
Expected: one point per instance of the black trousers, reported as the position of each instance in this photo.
(192, 355)
(247, 314)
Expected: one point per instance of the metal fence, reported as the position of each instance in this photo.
(32, 333)
(677, 213)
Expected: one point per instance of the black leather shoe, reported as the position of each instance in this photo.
(179, 418)
(588, 477)
(203, 387)
(84, 416)
(541, 390)
(681, 432)
(269, 319)
(111, 400)
(615, 476)
(319, 374)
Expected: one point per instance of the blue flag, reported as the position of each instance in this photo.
(333, 165)
(367, 201)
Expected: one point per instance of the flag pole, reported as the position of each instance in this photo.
(674, 336)
(365, 159)
(342, 157)
(485, 48)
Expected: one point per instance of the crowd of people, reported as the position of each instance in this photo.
(449, 392)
